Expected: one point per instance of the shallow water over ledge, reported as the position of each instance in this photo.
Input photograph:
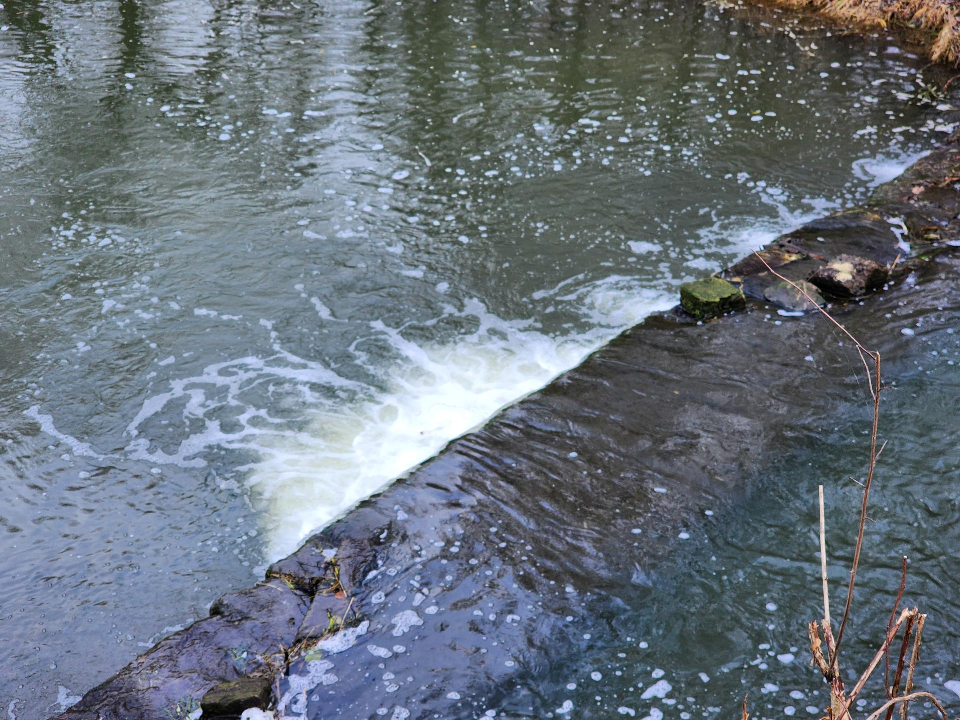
(260, 260)
(538, 568)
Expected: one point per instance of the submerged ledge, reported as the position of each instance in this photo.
(462, 577)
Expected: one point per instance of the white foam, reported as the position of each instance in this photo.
(79, 448)
(343, 640)
(321, 442)
(659, 689)
(434, 393)
(882, 168)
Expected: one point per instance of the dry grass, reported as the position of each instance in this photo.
(937, 22)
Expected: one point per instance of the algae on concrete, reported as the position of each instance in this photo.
(710, 297)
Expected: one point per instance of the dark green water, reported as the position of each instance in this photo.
(731, 618)
(256, 259)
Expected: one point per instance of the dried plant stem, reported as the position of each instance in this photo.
(823, 567)
(863, 505)
(894, 690)
(913, 665)
(891, 634)
(906, 699)
(893, 614)
(909, 619)
(345, 613)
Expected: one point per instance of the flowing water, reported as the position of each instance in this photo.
(751, 585)
(258, 259)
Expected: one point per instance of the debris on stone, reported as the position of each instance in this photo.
(230, 699)
(849, 276)
(786, 296)
(324, 616)
(710, 297)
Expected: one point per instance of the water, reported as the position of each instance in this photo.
(259, 259)
(751, 585)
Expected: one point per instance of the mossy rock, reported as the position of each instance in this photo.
(228, 700)
(710, 297)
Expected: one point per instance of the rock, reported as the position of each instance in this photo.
(789, 298)
(274, 598)
(710, 297)
(753, 264)
(849, 276)
(316, 623)
(230, 699)
(857, 232)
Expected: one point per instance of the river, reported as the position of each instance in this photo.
(258, 259)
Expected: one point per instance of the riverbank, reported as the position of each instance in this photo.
(489, 560)
(934, 25)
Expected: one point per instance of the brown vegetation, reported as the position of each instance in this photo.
(935, 23)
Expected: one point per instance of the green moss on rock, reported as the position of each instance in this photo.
(228, 700)
(710, 297)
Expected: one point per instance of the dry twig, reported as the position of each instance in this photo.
(893, 614)
(907, 698)
(894, 690)
(910, 619)
(913, 665)
(823, 566)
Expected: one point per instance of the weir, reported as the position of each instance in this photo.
(472, 585)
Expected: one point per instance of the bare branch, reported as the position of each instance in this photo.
(875, 662)
(894, 691)
(875, 388)
(823, 566)
(863, 507)
(839, 703)
(913, 664)
(893, 614)
(907, 698)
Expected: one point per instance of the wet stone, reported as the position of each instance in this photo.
(710, 297)
(316, 623)
(274, 598)
(756, 263)
(788, 297)
(849, 276)
(230, 699)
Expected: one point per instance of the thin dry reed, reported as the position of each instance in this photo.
(910, 620)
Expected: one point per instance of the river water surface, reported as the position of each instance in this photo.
(257, 259)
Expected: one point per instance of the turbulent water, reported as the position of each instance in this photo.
(258, 259)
